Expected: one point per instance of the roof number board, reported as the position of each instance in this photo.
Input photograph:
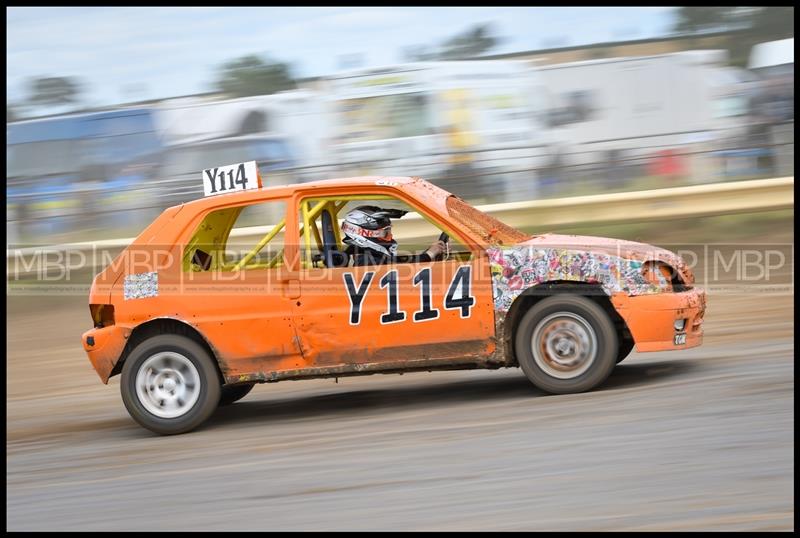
(231, 178)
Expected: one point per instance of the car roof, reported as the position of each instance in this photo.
(290, 189)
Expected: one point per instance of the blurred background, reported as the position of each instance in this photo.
(112, 113)
(103, 135)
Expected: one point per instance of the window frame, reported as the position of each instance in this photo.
(302, 199)
(197, 237)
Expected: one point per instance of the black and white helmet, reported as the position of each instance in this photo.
(370, 227)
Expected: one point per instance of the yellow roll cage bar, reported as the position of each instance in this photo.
(216, 227)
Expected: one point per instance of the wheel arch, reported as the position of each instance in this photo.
(532, 295)
(158, 326)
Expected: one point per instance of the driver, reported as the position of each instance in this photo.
(368, 236)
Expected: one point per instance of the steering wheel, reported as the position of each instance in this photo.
(446, 240)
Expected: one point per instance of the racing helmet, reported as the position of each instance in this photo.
(370, 227)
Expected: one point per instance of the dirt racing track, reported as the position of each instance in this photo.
(696, 440)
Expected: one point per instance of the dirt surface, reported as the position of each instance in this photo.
(701, 439)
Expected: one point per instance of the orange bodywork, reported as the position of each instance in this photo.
(650, 318)
(109, 342)
(292, 321)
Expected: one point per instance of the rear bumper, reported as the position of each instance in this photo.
(109, 342)
(651, 318)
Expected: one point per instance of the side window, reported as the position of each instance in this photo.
(406, 235)
(319, 233)
(242, 237)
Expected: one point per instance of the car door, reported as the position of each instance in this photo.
(245, 314)
(396, 316)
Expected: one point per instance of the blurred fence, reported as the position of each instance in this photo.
(679, 202)
(511, 174)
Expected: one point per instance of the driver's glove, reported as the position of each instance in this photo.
(435, 249)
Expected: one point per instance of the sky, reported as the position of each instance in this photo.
(132, 54)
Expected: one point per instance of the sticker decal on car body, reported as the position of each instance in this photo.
(516, 269)
(140, 285)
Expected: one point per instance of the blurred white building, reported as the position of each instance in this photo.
(621, 108)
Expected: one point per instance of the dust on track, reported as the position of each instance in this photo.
(701, 439)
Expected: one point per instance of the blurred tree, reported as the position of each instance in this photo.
(250, 75)
(9, 113)
(54, 91)
(697, 19)
(471, 43)
(770, 23)
(752, 25)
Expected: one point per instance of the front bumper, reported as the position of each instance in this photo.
(651, 318)
(107, 347)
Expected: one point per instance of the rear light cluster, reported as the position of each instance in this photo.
(102, 315)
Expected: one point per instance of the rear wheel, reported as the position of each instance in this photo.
(565, 344)
(170, 384)
(234, 393)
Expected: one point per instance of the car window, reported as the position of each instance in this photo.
(412, 233)
(230, 239)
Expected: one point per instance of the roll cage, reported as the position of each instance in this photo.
(315, 213)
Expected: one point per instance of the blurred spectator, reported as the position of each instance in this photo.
(668, 164)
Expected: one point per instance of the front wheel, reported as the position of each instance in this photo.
(170, 384)
(566, 344)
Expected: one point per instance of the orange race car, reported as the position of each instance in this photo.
(211, 299)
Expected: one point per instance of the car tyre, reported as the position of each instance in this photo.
(170, 384)
(565, 344)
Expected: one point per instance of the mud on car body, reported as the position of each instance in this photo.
(190, 327)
